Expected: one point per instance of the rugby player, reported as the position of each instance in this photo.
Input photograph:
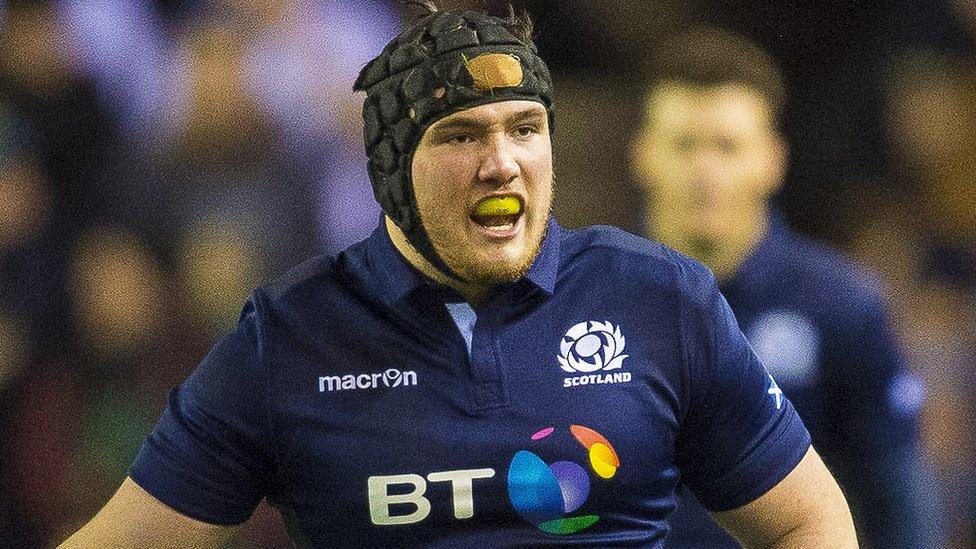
(710, 156)
(472, 374)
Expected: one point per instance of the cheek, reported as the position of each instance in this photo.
(749, 184)
(667, 175)
(673, 191)
(540, 174)
(434, 188)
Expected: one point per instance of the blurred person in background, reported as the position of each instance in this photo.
(180, 150)
(206, 175)
(211, 74)
(72, 139)
(300, 70)
(932, 133)
(933, 314)
(233, 210)
(33, 309)
(710, 157)
(52, 166)
(832, 52)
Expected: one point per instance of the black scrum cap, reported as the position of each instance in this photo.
(444, 63)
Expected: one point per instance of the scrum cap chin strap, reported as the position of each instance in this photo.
(446, 62)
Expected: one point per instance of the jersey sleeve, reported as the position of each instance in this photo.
(877, 400)
(739, 435)
(209, 455)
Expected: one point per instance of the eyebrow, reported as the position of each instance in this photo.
(534, 115)
(457, 124)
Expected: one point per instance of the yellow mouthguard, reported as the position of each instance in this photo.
(501, 205)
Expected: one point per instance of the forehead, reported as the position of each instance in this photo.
(732, 107)
(493, 113)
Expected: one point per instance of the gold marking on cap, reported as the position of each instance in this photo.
(494, 70)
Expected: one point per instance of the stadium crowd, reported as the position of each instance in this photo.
(160, 158)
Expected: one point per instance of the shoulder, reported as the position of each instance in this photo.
(822, 271)
(617, 256)
(605, 239)
(310, 275)
(321, 285)
(310, 290)
(291, 293)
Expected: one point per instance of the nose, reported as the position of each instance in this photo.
(709, 171)
(499, 165)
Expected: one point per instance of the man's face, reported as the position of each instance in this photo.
(494, 157)
(709, 158)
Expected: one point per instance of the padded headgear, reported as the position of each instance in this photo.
(444, 63)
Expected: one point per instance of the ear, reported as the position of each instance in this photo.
(639, 151)
(777, 164)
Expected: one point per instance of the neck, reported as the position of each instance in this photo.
(726, 251)
(473, 293)
(733, 251)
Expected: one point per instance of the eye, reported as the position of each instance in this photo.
(684, 143)
(727, 146)
(459, 139)
(526, 130)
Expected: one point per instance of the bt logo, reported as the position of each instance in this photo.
(545, 493)
(541, 493)
(380, 498)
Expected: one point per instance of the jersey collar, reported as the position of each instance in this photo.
(544, 272)
(396, 278)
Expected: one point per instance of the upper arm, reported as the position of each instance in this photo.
(877, 400)
(805, 509)
(211, 454)
(134, 518)
(739, 435)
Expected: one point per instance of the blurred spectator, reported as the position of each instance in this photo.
(833, 55)
(284, 66)
(33, 306)
(931, 121)
(218, 271)
(710, 157)
(932, 316)
(302, 68)
(71, 138)
(117, 291)
(932, 129)
(32, 301)
(124, 47)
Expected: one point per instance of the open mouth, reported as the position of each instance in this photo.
(498, 214)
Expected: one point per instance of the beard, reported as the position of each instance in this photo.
(701, 247)
(486, 273)
(476, 266)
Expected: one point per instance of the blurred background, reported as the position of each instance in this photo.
(160, 158)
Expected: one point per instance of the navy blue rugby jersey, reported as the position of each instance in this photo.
(594, 385)
(818, 322)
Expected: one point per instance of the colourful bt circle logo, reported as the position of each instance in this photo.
(545, 494)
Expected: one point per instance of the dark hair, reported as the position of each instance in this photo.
(519, 24)
(708, 56)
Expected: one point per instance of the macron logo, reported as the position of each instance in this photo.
(389, 378)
